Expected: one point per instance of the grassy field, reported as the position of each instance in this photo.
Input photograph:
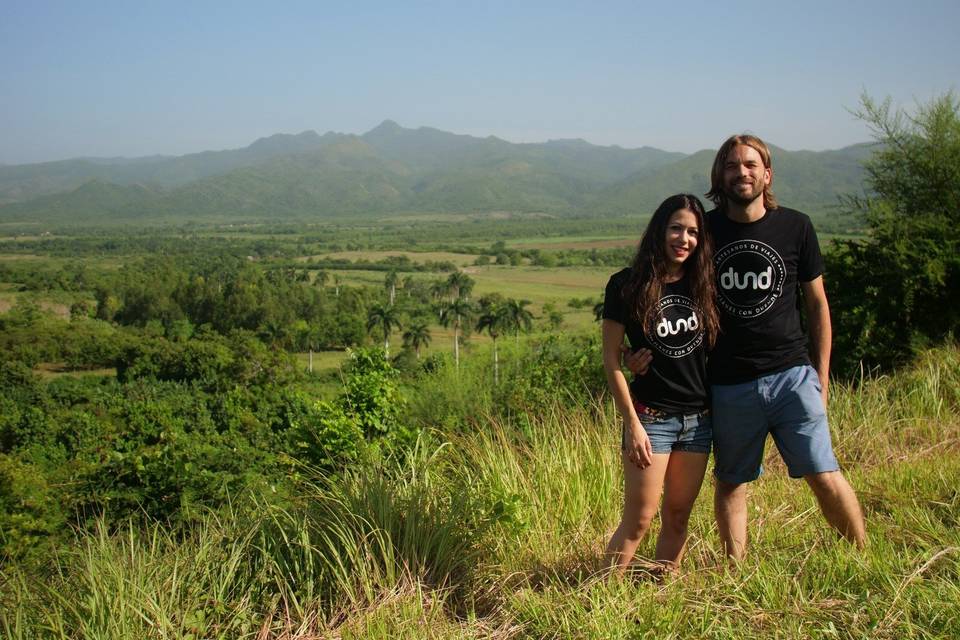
(576, 242)
(541, 284)
(491, 535)
(537, 284)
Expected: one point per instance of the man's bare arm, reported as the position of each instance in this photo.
(821, 332)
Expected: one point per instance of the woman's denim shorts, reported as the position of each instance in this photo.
(668, 432)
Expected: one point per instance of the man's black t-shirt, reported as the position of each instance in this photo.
(759, 266)
(676, 381)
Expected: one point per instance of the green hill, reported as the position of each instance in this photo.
(392, 169)
(24, 182)
(808, 180)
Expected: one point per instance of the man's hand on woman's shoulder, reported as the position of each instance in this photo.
(637, 361)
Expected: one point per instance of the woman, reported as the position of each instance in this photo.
(664, 304)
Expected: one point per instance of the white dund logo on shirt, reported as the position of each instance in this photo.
(730, 279)
(667, 328)
(750, 275)
(678, 330)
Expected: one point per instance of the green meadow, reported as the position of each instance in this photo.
(493, 534)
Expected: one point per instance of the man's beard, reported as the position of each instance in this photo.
(756, 191)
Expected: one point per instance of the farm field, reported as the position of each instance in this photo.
(578, 242)
(541, 284)
(537, 284)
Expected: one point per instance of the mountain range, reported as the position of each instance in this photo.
(392, 169)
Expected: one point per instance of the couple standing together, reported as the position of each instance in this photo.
(720, 358)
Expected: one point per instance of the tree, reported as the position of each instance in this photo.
(390, 284)
(518, 316)
(275, 332)
(889, 292)
(438, 289)
(409, 282)
(386, 318)
(459, 285)
(456, 313)
(417, 336)
(552, 316)
(494, 319)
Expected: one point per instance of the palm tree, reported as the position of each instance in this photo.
(387, 319)
(518, 316)
(456, 313)
(273, 331)
(460, 285)
(438, 289)
(408, 284)
(390, 284)
(417, 335)
(494, 319)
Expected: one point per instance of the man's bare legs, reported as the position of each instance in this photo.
(839, 505)
(730, 510)
(681, 486)
(836, 499)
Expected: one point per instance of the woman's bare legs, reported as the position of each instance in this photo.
(641, 497)
(682, 481)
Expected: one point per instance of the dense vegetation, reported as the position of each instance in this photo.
(170, 468)
(896, 291)
(497, 532)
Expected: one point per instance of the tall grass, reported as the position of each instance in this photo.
(498, 533)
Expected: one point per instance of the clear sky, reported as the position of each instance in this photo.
(136, 78)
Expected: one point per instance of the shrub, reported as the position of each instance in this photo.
(890, 292)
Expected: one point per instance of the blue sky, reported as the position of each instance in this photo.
(139, 78)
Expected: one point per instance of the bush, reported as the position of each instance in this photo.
(890, 293)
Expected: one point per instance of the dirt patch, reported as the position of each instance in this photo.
(56, 369)
(60, 310)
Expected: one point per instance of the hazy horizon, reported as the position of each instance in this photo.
(411, 128)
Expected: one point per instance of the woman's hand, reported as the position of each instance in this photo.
(639, 450)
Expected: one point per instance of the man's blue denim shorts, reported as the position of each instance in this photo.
(676, 431)
(788, 406)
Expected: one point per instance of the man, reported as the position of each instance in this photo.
(764, 377)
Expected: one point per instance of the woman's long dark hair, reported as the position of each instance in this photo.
(649, 269)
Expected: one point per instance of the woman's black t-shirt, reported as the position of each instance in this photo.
(676, 381)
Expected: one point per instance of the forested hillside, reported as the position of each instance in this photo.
(391, 170)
